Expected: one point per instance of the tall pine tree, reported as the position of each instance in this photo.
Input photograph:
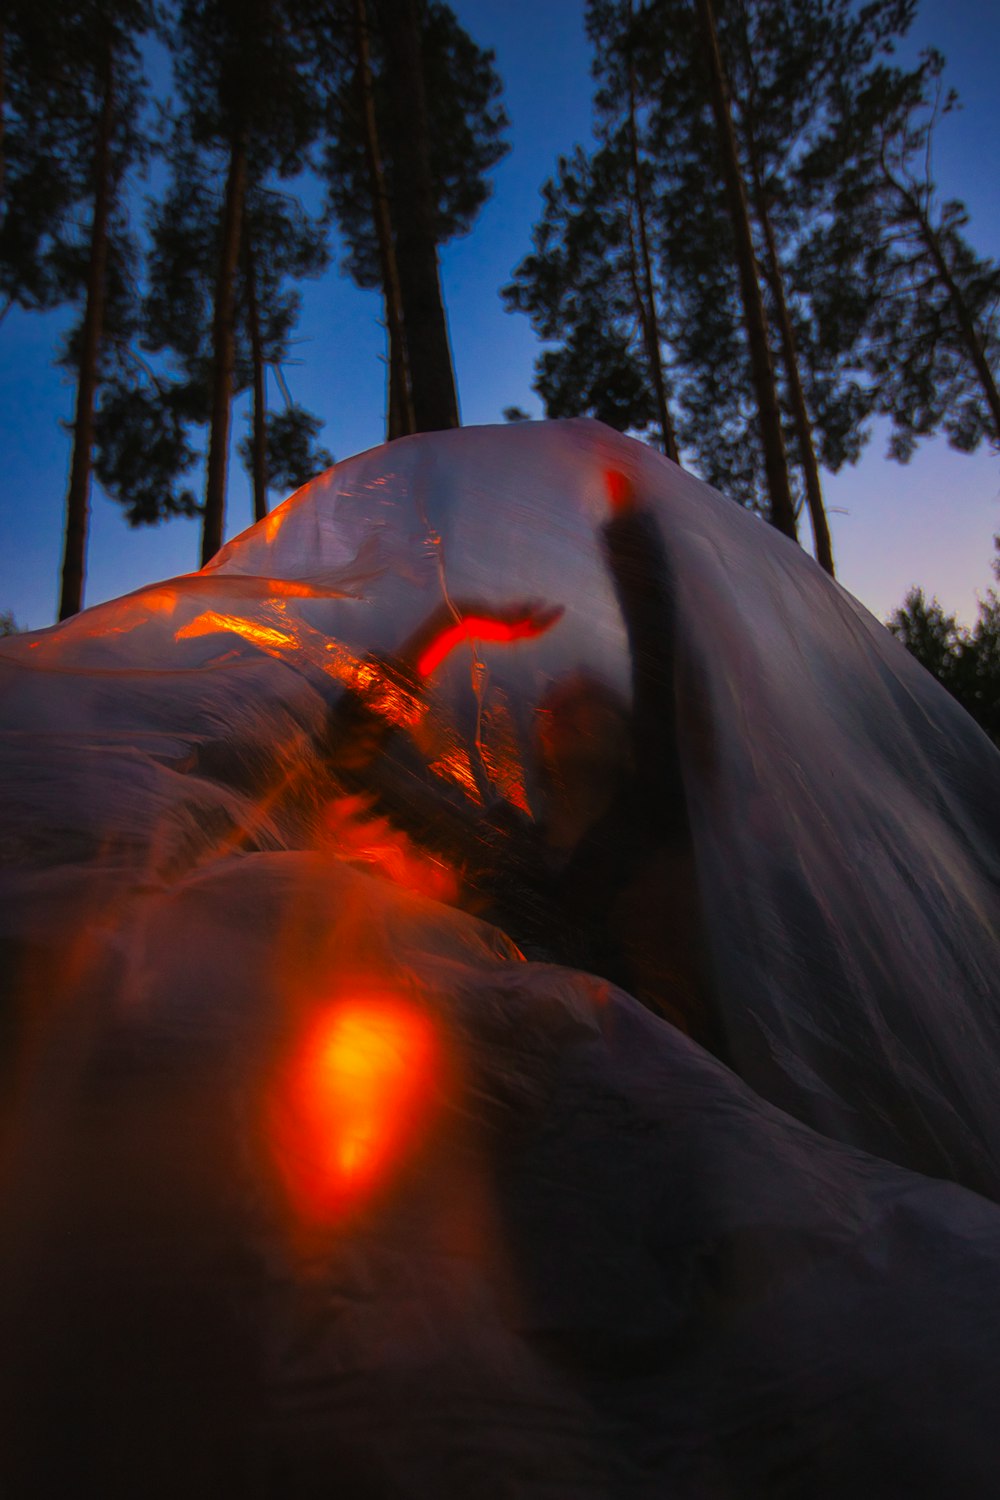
(724, 113)
(74, 92)
(46, 142)
(249, 113)
(581, 288)
(415, 125)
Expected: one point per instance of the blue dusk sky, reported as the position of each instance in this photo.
(930, 522)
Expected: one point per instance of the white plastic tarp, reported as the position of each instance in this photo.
(587, 1258)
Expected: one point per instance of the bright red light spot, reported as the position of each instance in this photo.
(472, 627)
(621, 496)
(353, 1102)
(517, 622)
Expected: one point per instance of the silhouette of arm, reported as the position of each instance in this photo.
(640, 570)
(390, 692)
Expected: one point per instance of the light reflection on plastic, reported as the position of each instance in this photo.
(374, 841)
(209, 622)
(381, 694)
(278, 639)
(500, 755)
(392, 702)
(162, 601)
(455, 766)
(274, 521)
(390, 699)
(354, 1103)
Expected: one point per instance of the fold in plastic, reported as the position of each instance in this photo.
(313, 1181)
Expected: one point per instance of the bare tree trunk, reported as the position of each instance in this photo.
(800, 412)
(765, 387)
(224, 350)
(435, 404)
(258, 441)
(400, 401)
(790, 359)
(647, 299)
(78, 496)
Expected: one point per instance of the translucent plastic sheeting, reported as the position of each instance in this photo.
(845, 812)
(309, 1173)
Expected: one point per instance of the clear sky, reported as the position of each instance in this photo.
(931, 522)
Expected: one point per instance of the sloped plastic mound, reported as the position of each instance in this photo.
(327, 1167)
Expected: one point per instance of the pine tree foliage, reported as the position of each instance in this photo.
(227, 237)
(241, 67)
(53, 90)
(932, 332)
(293, 454)
(160, 397)
(696, 287)
(872, 298)
(414, 123)
(578, 287)
(145, 452)
(73, 130)
(281, 244)
(788, 66)
(965, 661)
(466, 124)
(144, 455)
(47, 106)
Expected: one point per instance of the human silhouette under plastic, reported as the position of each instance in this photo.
(603, 878)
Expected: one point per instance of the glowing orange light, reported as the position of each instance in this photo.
(392, 701)
(354, 1102)
(274, 522)
(500, 753)
(454, 765)
(358, 837)
(471, 628)
(210, 622)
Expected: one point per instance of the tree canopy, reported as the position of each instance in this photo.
(964, 659)
(750, 264)
(801, 263)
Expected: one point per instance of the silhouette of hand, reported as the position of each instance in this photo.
(520, 620)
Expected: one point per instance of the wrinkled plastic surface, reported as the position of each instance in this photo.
(312, 1180)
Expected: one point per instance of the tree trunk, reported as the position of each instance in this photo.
(78, 495)
(400, 401)
(258, 441)
(966, 326)
(647, 300)
(765, 388)
(790, 359)
(224, 350)
(435, 404)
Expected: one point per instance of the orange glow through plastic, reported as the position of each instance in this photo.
(354, 1102)
(472, 628)
(374, 841)
(211, 622)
